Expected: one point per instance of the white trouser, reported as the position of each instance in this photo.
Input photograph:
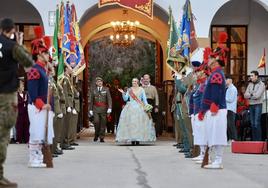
(218, 149)
(202, 150)
(35, 152)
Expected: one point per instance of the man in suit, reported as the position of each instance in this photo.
(100, 106)
(152, 98)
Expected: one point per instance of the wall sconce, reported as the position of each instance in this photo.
(51, 18)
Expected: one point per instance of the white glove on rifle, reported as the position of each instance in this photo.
(69, 109)
(60, 115)
(109, 110)
(91, 112)
(74, 112)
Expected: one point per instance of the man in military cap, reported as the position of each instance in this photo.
(100, 106)
(11, 53)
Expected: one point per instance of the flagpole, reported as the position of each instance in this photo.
(266, 105)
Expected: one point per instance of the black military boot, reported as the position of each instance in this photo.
(95, 139)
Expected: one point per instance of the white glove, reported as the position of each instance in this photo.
(91, 112)
(69, 109)
(74, 112)
(60, 115)
(109, 110)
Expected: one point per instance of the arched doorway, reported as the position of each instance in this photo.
(25, 16)
(246, 25)
(95, 25)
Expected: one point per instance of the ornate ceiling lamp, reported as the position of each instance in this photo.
(124, 32)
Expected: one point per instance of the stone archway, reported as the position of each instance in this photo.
(25, 15)
(20, 11)
(95, 23)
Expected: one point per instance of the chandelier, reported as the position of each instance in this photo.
(124, 32)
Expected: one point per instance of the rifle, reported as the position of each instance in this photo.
(46, 147)
(205, 159)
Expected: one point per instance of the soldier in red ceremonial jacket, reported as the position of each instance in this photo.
(213, 106)
(37, 107)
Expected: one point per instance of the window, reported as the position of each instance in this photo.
(28, 30)
(29, 35)
(237, 44)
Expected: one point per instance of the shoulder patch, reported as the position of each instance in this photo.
(216, 79)
(33, 74)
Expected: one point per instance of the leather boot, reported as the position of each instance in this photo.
(196, 151)
(5, 183)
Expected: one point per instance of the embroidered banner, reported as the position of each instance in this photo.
(142, 6)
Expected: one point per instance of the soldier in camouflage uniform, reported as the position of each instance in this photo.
(69, 95)
(11, 53)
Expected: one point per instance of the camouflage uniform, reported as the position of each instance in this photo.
(8, 116)
(10, 54)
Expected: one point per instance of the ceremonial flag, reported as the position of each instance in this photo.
(66, 35)
(78, 56)
(144, 7)
(262, 63)
(174, 60)
(60, 71)
(187, 42)
(55, 49)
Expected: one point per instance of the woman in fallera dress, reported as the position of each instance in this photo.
(135, 125)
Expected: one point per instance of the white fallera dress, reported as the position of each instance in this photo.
(134, 123)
